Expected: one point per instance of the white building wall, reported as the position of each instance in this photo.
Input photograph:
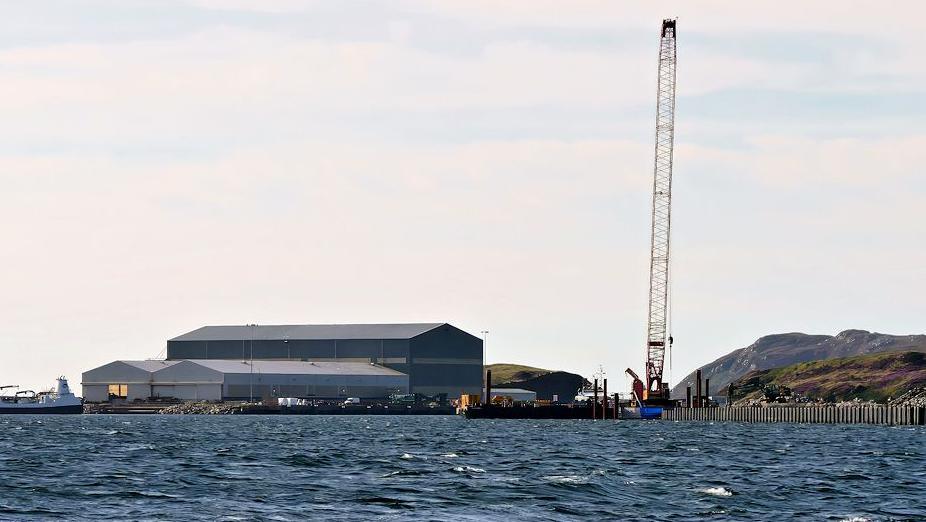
(116, 372)
(95, 392)
(191, 380)
(188, 392)
(138, 392)
(209, 392)
(515, 394)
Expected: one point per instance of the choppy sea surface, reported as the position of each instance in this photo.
(97, 467)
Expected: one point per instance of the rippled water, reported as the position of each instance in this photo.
(448, 468)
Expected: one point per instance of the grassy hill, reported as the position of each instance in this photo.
(779, 350)
(874, 377)
(504, 373)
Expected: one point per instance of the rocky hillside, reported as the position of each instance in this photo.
(877, 377)
(546, 383)
(776, 351)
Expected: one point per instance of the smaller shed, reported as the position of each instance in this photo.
(222, 379)
(127, 380)
(515, 394)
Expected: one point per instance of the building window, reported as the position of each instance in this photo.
(118, 391)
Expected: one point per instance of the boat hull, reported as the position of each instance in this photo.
(70, 409)
(644, 413)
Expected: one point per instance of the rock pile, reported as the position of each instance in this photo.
(856, 402)
(203, 408)
(797, 399)
(913, 397)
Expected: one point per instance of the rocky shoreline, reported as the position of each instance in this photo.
(914, 397)
(209, 408)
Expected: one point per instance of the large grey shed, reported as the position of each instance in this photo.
(437, 357)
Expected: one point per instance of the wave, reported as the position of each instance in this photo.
(406, 473)
(324, 468)
(130, 494)
(385, 501)
(468, 469)
(567, 479)
(301, 460)
(717, 491)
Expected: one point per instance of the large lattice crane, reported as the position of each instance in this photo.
(657, 330)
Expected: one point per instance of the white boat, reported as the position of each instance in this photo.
(61, 400)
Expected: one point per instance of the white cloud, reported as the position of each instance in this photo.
(259, 6)
(867, 16)
(202, 86)
(817, 163)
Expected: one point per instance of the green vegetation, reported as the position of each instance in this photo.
(874, 377)
(780, 350)
(504, 373)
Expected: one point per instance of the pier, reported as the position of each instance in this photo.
(874, 414)
(259, 408)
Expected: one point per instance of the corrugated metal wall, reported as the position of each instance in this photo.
(446, 360)
(449, 360)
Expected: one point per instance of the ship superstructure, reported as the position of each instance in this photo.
(60, 400)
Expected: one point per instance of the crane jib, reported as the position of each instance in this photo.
(658, 317)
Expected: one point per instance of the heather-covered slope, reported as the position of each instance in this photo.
(775, 351)
(870, 377)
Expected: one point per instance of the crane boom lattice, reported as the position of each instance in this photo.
(657, 325)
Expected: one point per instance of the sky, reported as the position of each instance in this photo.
(171, 164)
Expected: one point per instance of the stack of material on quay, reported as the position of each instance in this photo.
(546, 383)
(877, 378)
(776, 351)
(204, 408)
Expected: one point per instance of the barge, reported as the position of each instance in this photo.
(562, 411)
(553, 411)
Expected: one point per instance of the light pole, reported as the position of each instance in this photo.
(251, 364)
(485, 342)
(485, 336)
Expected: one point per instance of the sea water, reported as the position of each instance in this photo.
(159, 467)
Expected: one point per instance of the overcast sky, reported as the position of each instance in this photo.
(167, 165)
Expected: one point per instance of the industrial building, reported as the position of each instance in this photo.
(323, 361)
(515, 394)
(213, 380)
(437, 357)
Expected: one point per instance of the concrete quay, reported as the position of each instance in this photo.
(862, 414)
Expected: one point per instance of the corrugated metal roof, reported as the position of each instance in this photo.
(295, 367)
(308, 331)
(271, 367)
(512, 390)
(150, 366)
